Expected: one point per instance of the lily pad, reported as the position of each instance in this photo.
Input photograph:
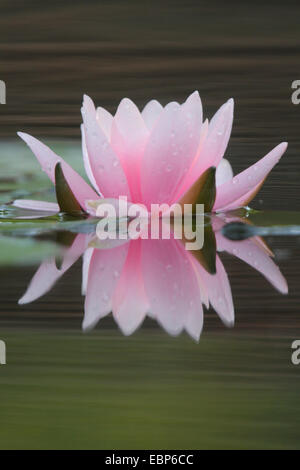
(20, 251)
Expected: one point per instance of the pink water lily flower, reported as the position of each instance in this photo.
(153, 156)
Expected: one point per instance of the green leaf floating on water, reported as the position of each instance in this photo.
(20, 251)
(48, 224)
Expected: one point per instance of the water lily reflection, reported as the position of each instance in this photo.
(158, 278)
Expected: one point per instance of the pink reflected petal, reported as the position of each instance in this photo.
(130, 304)
(170, 284)
(48, 274)
(201, 284)
(194, 323)
(104, 271)
(219, 292)
(254, 255)
(86, 260)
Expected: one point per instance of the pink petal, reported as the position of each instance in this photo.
(217, 137)
(214, 144)
(232, 191)
(245, 199)
(130, 304)
(170, 283)
(193, 107)
(48, 274)
(255, 256)
(189, 178)
(105, 165)
(168, 155)
(48, 160)
(105, 267)
(36, 205)
(151, 113)
(129, 135)
(105, 120)
(86, 161)
(224, 172)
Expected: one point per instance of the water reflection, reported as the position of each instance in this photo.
(134, 278)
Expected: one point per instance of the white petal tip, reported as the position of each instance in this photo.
(125, 100)
(284, 145)
(284, 289)
(87, 101)
(195, 93)
(23, 135)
